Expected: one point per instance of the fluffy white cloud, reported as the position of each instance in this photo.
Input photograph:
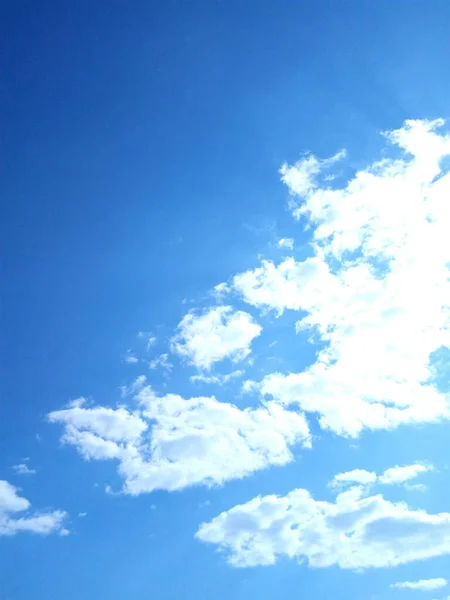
(356, 476)
(393, 475)
(402, 474)
(211, 336)
(354, 532)
(23, 469)
(421, 585)
(40, 522)
(376, 289)
(174, 443)
(286, 243)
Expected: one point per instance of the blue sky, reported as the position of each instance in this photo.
(215, 294)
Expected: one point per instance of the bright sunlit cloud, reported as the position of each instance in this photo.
(354, 532)
(171, 443)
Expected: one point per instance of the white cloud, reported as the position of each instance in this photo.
(130, 359)
(286, 286)
(219, 379)
(286, 243)
(214, 335)
(134, 386)
(99, 433)
(301, 178)
(376, 289)
(161, 361)
(249, 386)
(220, 290)
(397, 474)
(359, 476)
(393, 475)
(354, 532)
(23, 469)
(117, 425)
(174, 443)
(421, 585)
(148, 337)
(416, 487)
(39, 522)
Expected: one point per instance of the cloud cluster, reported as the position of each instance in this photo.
(34, 522)
(354, 532)
(376, 290)
(171, 443)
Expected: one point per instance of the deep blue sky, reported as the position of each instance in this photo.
(141, 143)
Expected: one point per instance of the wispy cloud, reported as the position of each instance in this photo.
(357, 476)
(161, 361)
(23, 469)
(421, 585)
(286, 243)
(402, 474)
(130, 358)
(392, 476)
(136, 385)
(148, 337)
(219, 379)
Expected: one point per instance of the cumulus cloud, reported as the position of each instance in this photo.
(33, 522)
(23, 469)
(354, 532)
(172, 443)
(421, 585)
(209, 337)
(376, 289)
(392, 476)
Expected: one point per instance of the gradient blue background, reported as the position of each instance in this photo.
(140, 148)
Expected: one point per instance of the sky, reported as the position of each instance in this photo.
(225, 331)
